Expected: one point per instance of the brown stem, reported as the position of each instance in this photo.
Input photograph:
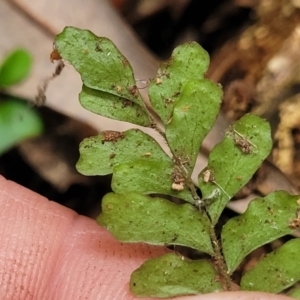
(219, 261)
(218, 257)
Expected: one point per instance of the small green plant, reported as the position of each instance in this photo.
(143, 173)
(18, 121)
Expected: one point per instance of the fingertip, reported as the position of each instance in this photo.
(50, 252)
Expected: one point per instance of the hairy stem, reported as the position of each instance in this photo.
(198, 202)
(218, 257)
(219, 261)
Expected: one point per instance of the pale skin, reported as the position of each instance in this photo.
(47, 251)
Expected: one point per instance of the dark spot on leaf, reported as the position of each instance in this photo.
(98, 48)
(176, 94)
(126, 102)
(294, 224)
(168, 100)
(174, 238)
(134, 91)
(125, 62)
(244, 145)
(111, 136)
(55, 55)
